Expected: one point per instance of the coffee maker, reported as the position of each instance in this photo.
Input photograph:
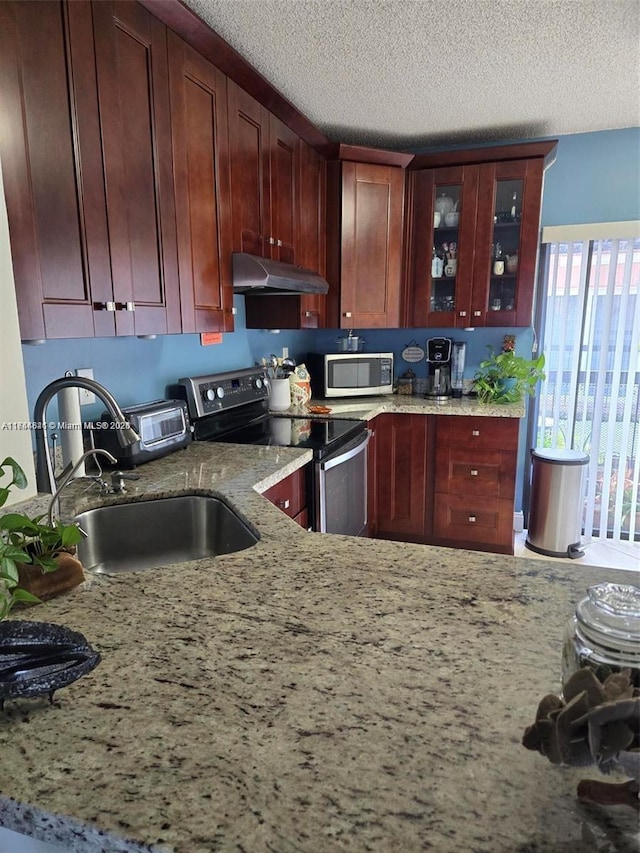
(439, 375)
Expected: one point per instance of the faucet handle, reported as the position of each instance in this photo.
(117, 481)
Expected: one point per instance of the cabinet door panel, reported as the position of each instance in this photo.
(50, 144)
(290, 494)
(372, 202)
(248, 141)
(402, 475)
(131, 62)
(489, 473)
(284, 164)
(201, 176)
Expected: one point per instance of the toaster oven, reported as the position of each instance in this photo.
(163, 426)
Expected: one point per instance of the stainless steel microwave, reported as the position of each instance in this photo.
(350, 374)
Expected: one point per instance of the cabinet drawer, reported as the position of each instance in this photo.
(477, 432)
(485, 473)
(290, 494)
(460, 519)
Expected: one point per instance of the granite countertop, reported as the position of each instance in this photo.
(311, 693)
(367, 408)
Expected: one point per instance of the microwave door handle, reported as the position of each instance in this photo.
(327, 464)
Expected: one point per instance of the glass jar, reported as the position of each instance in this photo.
(604, 633)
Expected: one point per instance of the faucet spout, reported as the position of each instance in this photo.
(45, 478)
(55, 500)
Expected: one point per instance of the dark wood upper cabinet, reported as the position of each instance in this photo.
(364, 244)
(202, 189)
(264, 179)
(473, 234)
(52, 167)
(305, 311)
(133, 94)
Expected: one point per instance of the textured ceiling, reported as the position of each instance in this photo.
(419, 73)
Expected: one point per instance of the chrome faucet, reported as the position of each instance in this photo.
(45, 477)
(94, 451)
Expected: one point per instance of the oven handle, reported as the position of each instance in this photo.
(327, 464)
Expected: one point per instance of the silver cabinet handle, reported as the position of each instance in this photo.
(475, 432)
(308, 313)
(278, 242)
(477, 313)
(347, 314)
(462, 313)
(474, 473)
(284, 504)
(472, 518)
(127, 306)
(233, 310)
(105, 306)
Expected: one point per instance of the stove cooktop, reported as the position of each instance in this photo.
(319, 435)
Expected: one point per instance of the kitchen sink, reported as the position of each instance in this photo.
(146, 534)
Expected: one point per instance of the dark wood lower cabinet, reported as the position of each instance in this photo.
(404, 477)
(444, 480)
(290, 495)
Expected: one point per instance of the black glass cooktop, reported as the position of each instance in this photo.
(323, 436)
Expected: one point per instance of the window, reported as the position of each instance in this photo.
(589, 329)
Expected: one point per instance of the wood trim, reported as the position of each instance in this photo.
(362, 154)
(213, 47)
(450, 157)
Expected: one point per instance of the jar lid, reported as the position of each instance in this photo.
(612, 610)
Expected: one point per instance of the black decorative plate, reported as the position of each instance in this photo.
(38, 658)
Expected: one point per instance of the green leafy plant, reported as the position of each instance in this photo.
(27, 540)
(506, 377)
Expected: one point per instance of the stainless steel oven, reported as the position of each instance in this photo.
(233, 407)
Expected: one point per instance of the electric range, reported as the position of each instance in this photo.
(233, 407)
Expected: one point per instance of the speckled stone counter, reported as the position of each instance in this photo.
(367, 408)
(311, 693)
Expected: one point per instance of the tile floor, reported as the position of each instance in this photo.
(612, 555)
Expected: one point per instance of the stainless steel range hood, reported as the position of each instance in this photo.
(263, 277)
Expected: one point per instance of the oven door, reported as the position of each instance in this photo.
(340, 487)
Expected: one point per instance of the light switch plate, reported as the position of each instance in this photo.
(86, 397)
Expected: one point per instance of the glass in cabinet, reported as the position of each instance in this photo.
(495, 238)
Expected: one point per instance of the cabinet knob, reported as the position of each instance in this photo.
(271, 240)
(278, 242)
(347, 314)
(127, 306)
(472, 518)
(284, 503)
(475, 432)
(477, 313)
(308, 314)
(473, 472)
(233, 310)
(104, 306)
(462, 313)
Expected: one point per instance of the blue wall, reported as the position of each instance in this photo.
(596, 178)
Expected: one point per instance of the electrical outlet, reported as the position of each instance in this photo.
(86, 397)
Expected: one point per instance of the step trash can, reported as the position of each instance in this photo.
(555, 512)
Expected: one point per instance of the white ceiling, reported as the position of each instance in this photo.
(410, 74)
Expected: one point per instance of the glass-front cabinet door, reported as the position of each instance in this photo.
(506, 243)
(474, 233)
(444, 204)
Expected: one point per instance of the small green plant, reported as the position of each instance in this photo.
(506, 377)
(26, 540)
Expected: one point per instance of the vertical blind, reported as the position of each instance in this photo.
(589, 331)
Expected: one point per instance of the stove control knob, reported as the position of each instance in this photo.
(220, 392)
(258, 383)
(209, 394)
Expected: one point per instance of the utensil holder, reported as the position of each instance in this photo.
(280, 395)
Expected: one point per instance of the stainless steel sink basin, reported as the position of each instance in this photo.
(142, 535)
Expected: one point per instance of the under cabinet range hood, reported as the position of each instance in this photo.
(264, 277)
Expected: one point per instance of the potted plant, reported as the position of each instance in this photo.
(32, 550)
(506, 377)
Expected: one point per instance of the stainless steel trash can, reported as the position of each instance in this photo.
(555, 513)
